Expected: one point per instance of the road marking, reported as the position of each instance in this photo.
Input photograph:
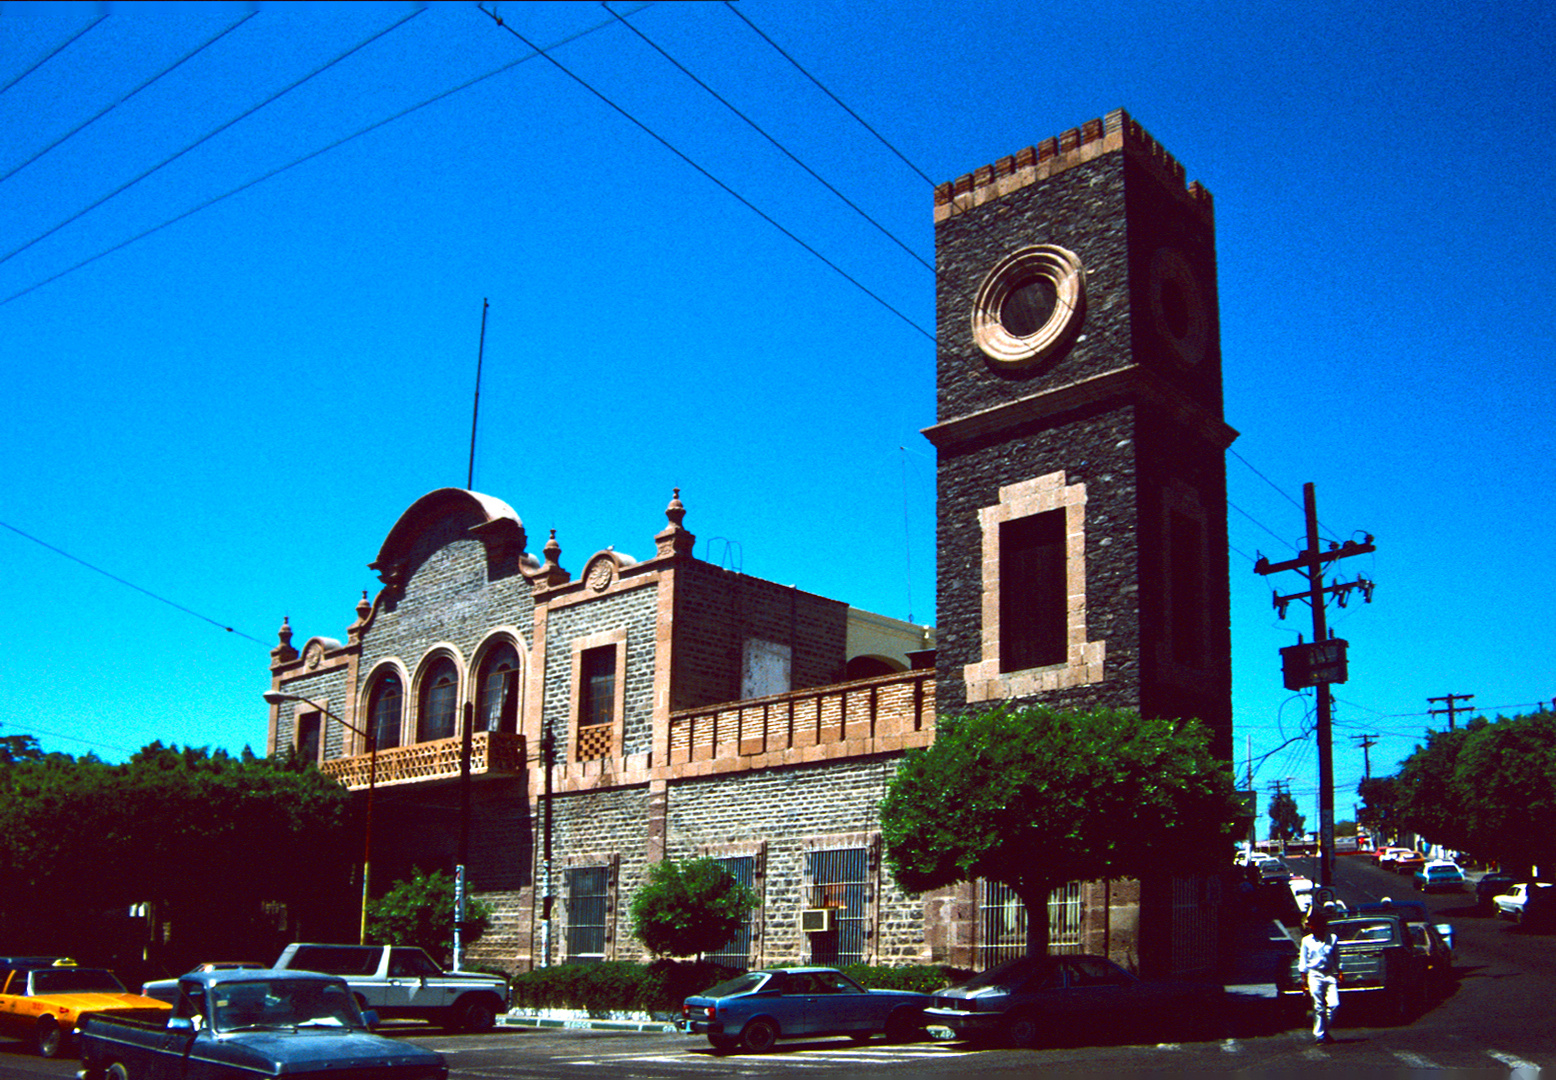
(1522, 1070)
(1415, 1061)
(1231, 1046)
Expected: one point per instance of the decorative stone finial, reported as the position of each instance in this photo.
(674, 539)
(363, 607)
(285, 633)
(675, 511)
(552, 550)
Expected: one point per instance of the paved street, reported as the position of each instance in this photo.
(1498, 1021)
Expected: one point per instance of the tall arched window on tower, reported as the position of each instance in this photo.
(384, 710)
(439, 700)
(498, 706)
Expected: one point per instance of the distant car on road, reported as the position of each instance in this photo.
(1513, 903)
(1407, 863)
(753, 1011)
(1441, 875)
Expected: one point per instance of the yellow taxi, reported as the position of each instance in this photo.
(44, 999)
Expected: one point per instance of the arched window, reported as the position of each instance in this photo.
(384, 710)
(439, 701)
(497, 708)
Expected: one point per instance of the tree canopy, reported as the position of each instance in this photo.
(1036, 797)
(203, 837)
(1488, 788)
(420, 911)
(1285, 822)
(689, 908)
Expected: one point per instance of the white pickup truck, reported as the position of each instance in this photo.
(400, 982)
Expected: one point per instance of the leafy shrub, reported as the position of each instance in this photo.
(922, 980)
(688, 908)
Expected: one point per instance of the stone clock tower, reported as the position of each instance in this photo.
(1082, 484)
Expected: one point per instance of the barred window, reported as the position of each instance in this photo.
(736, 952)
(587, 895)
(840, 880)
(1002, 922)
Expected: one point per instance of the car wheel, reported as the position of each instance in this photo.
(474, 1014)
(48, 1039)
(117, 1071)
(759, 1036)
(1021, 1031)
(904, 1025)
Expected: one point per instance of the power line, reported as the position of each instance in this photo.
(73, 132)
(830, 94)
(784, 149)
(298, 161)
(57, 50)
(747, 203)
(131, 584)
(212, 134)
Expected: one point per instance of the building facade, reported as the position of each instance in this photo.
(669, 708)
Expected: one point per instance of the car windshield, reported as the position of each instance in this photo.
(76, 981)
(1010, 973)
(263, 1003)
(1364, 930)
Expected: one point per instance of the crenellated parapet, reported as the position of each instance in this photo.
(1117, 131)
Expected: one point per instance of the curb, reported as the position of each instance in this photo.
(584, 1022)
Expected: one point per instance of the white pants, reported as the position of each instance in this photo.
(1325, 991)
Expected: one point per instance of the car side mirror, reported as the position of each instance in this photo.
(1446, 930)
(181, 1025)
(370, 1018)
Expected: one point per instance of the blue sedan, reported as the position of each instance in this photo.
(753, 1011)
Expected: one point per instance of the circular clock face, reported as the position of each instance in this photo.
(1029, 305)
(1178, 307)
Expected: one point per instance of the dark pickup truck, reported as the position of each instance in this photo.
(229, 1024)
(1377, 962)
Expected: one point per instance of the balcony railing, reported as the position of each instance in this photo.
(889, 712)
(491, 753)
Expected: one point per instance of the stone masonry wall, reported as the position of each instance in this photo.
(636, 611)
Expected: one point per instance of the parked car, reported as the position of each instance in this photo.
(1410, 911)
(1440, 875)
(1489, 887)
(1407, 862)
(1025, 1001)
(402, 983)
(1512, 904)
(1378, 963)
(755, 1010)
(242, 1024)
(167, 989)
(45, 1000)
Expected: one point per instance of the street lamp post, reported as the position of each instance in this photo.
(276, 697)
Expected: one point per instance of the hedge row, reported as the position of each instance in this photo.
(660, 987)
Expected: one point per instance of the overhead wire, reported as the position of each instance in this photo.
(165, 71)
(213, 133)
(55, 52)
(131, 584)
(298, 161)
(782, 148)
(747, 203)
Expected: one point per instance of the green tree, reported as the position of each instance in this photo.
(689, 908)
(1377, 813)
(206, 838)
(1285, 822)
(420, 912)
(1504, 784)
(1036, 797)
(1426, 796)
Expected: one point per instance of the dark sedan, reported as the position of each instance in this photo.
(1031, 999)
(755, 1010)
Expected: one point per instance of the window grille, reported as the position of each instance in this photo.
(586, 906)
(1003, 922)
(840, 880)
(736, 952)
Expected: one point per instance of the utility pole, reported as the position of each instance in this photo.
(1367, 742)
(1324, 661)
(1450, 710)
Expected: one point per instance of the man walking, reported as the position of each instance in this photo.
(1319, 962)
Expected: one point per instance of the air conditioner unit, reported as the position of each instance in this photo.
(816, 920)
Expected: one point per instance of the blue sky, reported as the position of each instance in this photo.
(230, 411)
